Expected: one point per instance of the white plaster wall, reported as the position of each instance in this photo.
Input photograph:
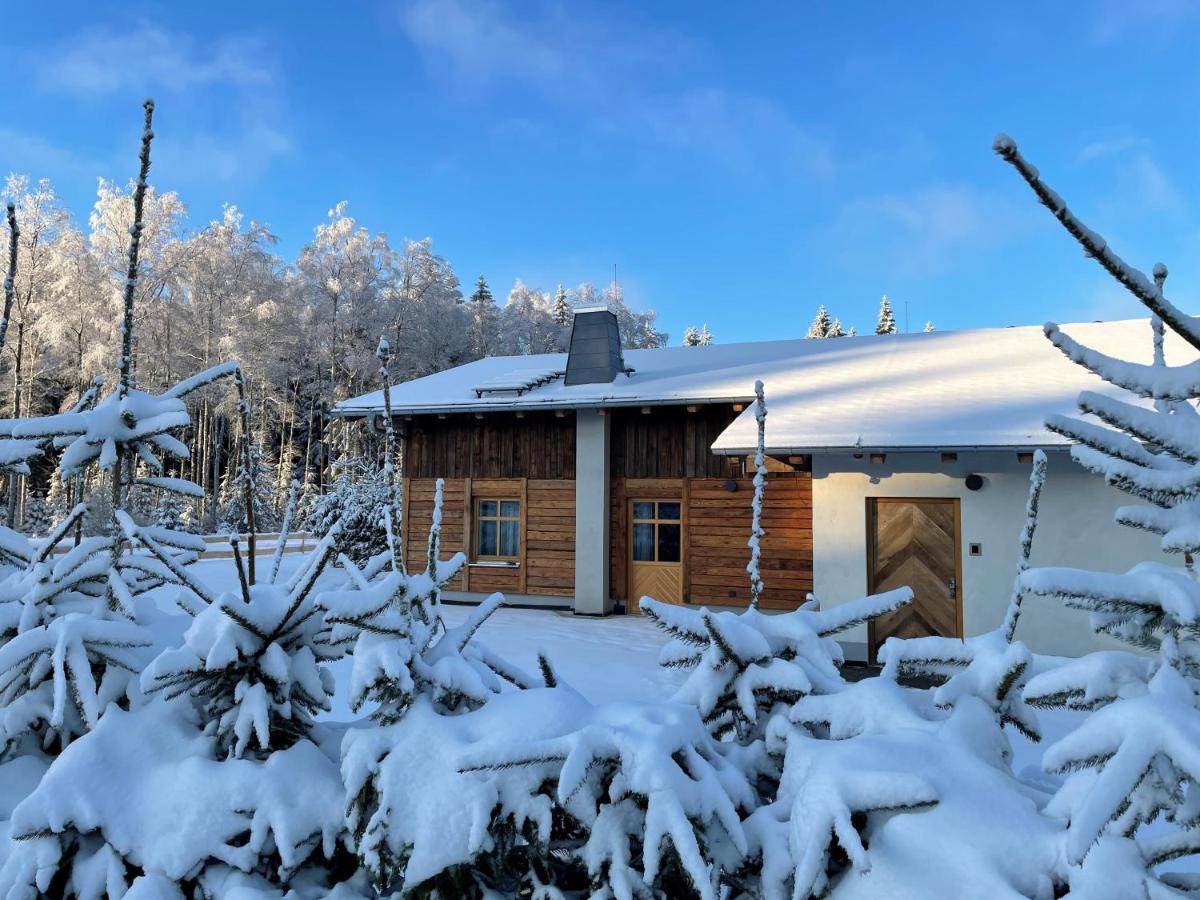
(1075, 528)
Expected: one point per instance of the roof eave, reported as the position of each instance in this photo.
(890, 448)
(524, 405)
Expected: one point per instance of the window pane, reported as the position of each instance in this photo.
(487, 538)
(487, 507)
(669, 511)
(668, 543)
(643, 543)
(510, 508)
(509, 530)
(643, 510)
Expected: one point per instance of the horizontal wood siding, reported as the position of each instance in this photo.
(547, 562)
(669, 442)
(717, 528)
(550, 537)
(418, 515)
(539, 445)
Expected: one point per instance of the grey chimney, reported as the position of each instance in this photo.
(595, 353)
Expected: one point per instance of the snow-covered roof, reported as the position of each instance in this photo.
(979, 388)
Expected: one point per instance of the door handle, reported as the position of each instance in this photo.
(953, 585)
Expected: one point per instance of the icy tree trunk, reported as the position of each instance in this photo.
(760, 486)
(14, 481)
(1037, 479)
(247, 466)
(10, 278)
(125, 362)
(395, 493)
(285, 530)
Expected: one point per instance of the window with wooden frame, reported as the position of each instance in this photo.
(497, 530)
(656, 531)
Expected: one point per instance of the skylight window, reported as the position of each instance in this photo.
(517, 381)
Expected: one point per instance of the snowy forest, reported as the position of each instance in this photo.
(305, 330)
(163, 729)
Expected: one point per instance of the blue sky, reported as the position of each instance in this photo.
(739, 164)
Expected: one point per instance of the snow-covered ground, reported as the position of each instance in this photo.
(605, 659)
(614, 658)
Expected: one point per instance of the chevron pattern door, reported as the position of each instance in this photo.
(915, 543)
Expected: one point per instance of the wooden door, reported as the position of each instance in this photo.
(915, 543)
(655, 551)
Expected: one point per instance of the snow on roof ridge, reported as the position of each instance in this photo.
(982, 386)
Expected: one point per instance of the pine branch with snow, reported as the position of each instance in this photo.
(403, 655)
(880, 793)
(65, 652)
(1136, 757)
(991, 667)
(254, 661)
(745, 666)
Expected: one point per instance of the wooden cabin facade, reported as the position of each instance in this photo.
(679, 515)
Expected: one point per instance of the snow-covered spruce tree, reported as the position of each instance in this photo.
(355, 502)
(232, 732)
(1136, 758)
(821, 324)
(171, 513)
(232, 516)
(691, 336)
(706, 337)
(403, 654)
(993, 667)
(253, 661)
(886, 324)
(67, 637)
(849, 758)
(616, 800)
(36, 519)
(561, 311)
(746, 666)
(928, 327)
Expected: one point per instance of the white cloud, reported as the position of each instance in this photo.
(26, 153)
(1109, 147)
(1143, 186)
(222, 116)
(922, 232)
(1120, 19)
(144, 57)
(618, 80)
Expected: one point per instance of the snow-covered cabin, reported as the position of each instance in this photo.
(587, 479)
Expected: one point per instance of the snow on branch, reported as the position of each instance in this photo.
(1037, 480)
(1135, 281)
(203, 379)
(1154, 381)
(760, 486)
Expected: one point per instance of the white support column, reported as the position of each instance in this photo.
(592, 595)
